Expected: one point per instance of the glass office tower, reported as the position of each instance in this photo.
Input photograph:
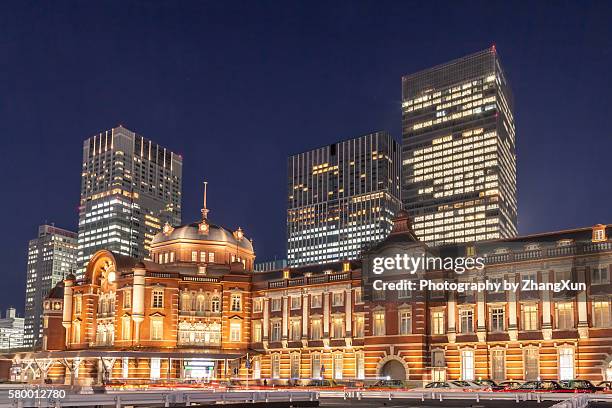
(458, 151)
(342, 198)
(130, 188)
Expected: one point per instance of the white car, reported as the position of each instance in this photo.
(444, 386)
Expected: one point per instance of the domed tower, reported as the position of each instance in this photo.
(202, 243)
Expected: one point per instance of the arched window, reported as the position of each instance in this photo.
(185, 302)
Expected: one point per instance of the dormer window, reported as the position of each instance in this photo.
(599, 233)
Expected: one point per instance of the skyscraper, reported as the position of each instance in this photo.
(341, 198)
(130, 188)
(11, 331)
(458, 151)
(51, 256)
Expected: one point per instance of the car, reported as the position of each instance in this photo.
(606, 385)
(540, 386)
(580, 386)
(509, 385)
(321, 383)
(395, 384)
(489, 385)
(442, 386)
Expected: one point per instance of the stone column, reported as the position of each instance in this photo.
(546, 309)
(138, 299)
(266, 319)
(512, 312)
(305, 307)
(67, 312)
(326, 312)
(481, 317)
(451, 324)
(583, 323)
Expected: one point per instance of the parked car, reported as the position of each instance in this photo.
(580, 386)
(489, 385)
(394, 384)
(606, 385)
(322, 383)
(509, 385)
(442, 386)
(540, 386)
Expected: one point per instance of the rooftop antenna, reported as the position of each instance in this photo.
(204, 209)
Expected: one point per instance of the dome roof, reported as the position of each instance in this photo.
(192, 232)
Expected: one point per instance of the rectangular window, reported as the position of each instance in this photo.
(497, 319)
(125, 328)
(316, 301)
(466, 318)
(358, 329)
(211, 257)
(155, 368)
(437, 322)
(257, 305)
(235, 328)
(127, 299)
(405, 322)
(338, 366)
(467, 365)
(276, 304)
(295, 330)
(531, 358)
(379, 323)
(315, 365)
(404, 294)
(236, 302)
(125, 367)
(338, 299)
(437, 358)
(530, 317)
(358, 296)
(360, 365)
(601, 314)
(194, 256)
(296, 302)
(275, 365)
(599, 276)
(257, 331)
(566, 363)
(565, 316)
(295, 365)
(78, 301)
(157, 299)
(202, 256)
(256, 368)
(276, 331)
(498, 364)
(171, 256)
(337, 328)
(315, 329)
(157, 329)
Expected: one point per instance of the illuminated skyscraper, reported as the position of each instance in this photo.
(342, 197)
(130, 188)
(458, 151)
(51, 257)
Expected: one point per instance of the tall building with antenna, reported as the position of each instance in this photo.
(130, 187)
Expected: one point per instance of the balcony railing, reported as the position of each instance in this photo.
(311, 280)
(556, 252)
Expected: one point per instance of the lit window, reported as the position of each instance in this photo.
(125, 328)
(379, 323)
(295, 365)
(276, 304)
(337, 328)
(257, 331)
(359, 326)
(467, 365)
(276, 331)
(531, 357)
(257, 305)
(338, 365)
(158, 298)
(155, 368)
(275, 365)
(236, 302)
(437, 322)
(530, 317)
(601, 313)
(405, 322)
(157, 329)
(315, 301)
(565, 316)
(211, 257)
(566, 363)
(235, 328)
(338, 299)
(315, 365)
(127, 299)
(215, 304)
(498, 364)
(194, 256)
(315, 329)
(296, 302)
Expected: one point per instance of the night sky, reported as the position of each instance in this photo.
(235, 87)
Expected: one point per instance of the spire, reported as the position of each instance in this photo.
(204, 209)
